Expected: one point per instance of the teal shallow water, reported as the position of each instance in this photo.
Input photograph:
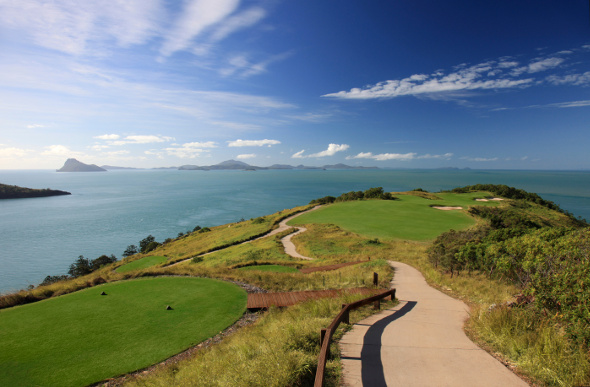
(108, 211)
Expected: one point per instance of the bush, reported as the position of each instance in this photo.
(130, 250)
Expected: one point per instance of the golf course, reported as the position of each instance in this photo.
(131, 314)
(83, 337)
(410, 217)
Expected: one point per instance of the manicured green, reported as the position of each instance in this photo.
(410, 217)
(273, 268)
(84, 337)
(142, 263)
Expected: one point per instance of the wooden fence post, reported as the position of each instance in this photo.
(375, 279)
(377, 305)
(346, 316)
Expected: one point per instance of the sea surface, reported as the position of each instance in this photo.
(108, 211)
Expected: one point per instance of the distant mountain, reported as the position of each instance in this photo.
(113, 168)
(16, 192)
(344, 166)
(73, 165)
(281, 166)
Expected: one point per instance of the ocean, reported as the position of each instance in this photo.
(108, 211)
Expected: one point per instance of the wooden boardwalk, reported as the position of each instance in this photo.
(266, 300)
(329, 267)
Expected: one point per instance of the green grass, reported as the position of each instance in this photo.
(142, 263)
(410, 218)
(84, 337)
(273, 268)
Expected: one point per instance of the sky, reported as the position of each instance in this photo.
(497, 84)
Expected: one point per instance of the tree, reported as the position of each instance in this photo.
(143, 244)
(101, 261)
(130, 250)
(80, 267)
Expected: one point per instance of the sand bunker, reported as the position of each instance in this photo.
(488, 200)
(447, 208)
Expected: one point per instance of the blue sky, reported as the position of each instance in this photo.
(397, 84)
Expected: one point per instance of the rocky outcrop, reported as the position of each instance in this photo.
(73, 165)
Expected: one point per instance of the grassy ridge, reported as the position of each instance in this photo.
(142, 263)
(81, 338)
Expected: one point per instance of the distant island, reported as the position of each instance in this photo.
(239, 165)
(73, 165)
(16, 192)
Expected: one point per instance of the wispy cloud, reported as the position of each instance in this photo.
(241, 67)
(108, 137)
(569, 104)
(491, 75)
(60, 151)
(14, 152)
(331, 151)
(398, 156)
(73, 28)
(570, 79)
(196, 17)
(142, 139)
(246, 156)
(241, 143)
(479, 159)
(190, 150)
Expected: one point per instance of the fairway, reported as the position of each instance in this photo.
(410, 218)
(84, 337)
(142, 263)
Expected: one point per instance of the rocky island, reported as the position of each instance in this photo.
(16, 192)
(73, 165)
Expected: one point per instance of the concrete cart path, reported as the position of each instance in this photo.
(420, 342)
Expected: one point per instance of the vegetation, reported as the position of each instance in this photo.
(16, 192)
(521, 263)
(371, 193)
(141, 263)
(85, 337)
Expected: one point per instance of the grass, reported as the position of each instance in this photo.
(281, 349)
(142, 263)
(409, 218)
(84, 337)
(272, 268)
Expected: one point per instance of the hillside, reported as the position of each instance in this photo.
(73, 165)
(490, 253)
(16, 192)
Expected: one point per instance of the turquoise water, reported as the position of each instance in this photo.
(109, 211)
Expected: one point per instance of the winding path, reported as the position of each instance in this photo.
(420, 342)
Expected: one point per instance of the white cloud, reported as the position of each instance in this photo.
(144, 139)
(398, 156)
(241, 67)
(565, 104)
(298, 155)
(108, 137)
(13, 152)
(331, 151)
(544, 64)
(241, 143)
(61, 151)
(35, 126)
(236, 125)
(242, 20)
(72, 27)
(571, 79)
(384, 156)
(491, 75)
(189, 150)
(246, 156)
(479, 159)
(196, 17)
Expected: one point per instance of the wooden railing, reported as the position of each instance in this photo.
(343, 316)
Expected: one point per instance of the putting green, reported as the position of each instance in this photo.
(84, 337)
(142, 263)
(273, 268)
(410, 218)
